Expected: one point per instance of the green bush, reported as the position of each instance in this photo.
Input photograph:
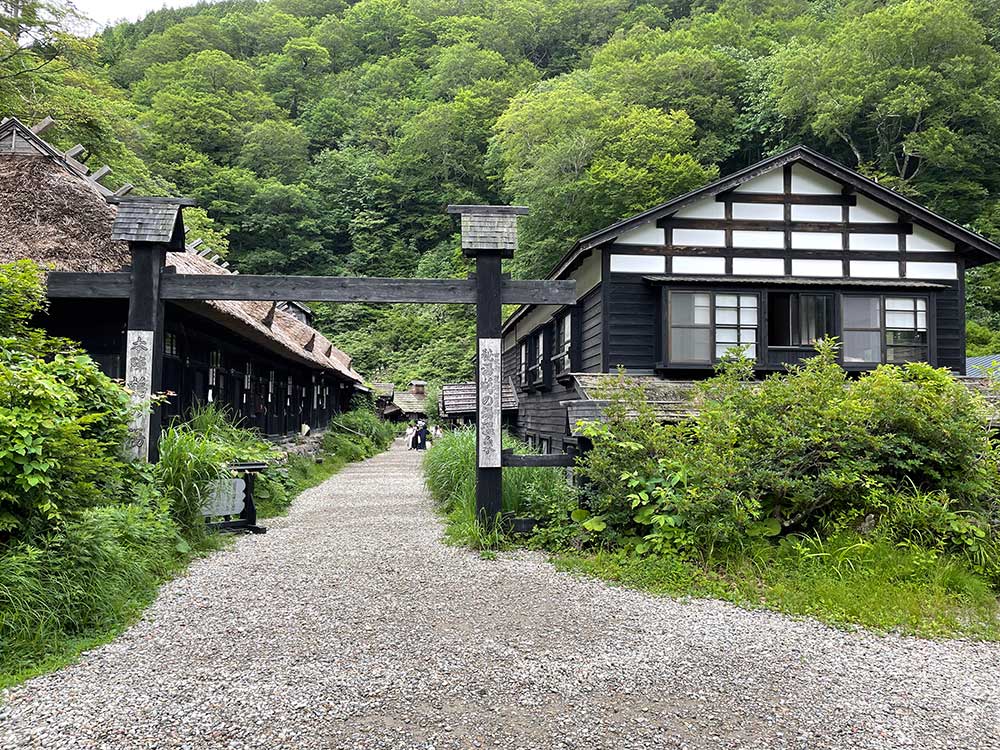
(62, 422)
(903, 452)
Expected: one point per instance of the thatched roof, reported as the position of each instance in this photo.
(54, 215)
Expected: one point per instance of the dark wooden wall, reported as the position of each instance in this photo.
(99, 326)
(949, 309)
(592, 331)
(540, 415)
(633, 323)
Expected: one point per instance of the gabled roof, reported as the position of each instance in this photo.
(16, 138)
(820, 163)
(145, 219)
(410, 403)
(459, 399)
(985, 250)
(983, 365)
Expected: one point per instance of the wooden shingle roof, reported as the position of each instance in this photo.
(459, 399)
(143, 219)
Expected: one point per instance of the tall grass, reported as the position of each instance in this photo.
(450, 474)
(96, 572)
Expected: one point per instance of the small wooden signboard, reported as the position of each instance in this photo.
(232, 500)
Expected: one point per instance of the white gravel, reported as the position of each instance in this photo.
(350, 625)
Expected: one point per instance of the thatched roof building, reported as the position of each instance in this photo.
(55, 212)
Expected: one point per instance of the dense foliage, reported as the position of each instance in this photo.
(902, 454)
(326, 136)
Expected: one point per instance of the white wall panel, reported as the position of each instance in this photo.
(638, 263)
(806, 180)
(706, 209)
(758, 267)
(875, 269)
(743, 238)
(698, 265)
(817, 240)
(767, 211)
(868, 211)
(816, 213)
(947, 271)
(810, 267)
(874, 241)
(925, 241)
(769, 182)
(699, 237)
(646, 234)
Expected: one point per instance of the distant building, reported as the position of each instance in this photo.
(262, 361)
(457, 402)
(410, 404)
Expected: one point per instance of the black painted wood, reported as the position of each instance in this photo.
(548, 459)
(811, 200)
(89, 285)
(145, 313)
(776, 225)
(489, 282)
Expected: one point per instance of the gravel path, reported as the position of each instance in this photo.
(350, 625)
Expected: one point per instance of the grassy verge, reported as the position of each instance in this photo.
(876, 585)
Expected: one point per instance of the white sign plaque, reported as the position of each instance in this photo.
(139, 381)
(227, 499)
(488, 418)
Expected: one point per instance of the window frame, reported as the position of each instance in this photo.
(884, 329)
(712, 326)
(562, 346)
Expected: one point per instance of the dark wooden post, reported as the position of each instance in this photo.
(152, 227)
(489, 234)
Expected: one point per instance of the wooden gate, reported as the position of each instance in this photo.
(154, 226)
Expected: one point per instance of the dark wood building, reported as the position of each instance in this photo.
(765, 261)
(260, 360)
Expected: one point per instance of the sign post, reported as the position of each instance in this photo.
(489, 234)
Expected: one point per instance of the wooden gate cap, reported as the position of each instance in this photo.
(489, 228)
(143, 219)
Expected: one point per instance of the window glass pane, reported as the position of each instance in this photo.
(906, 353)
(726, 300)
(922, 321)
(726, 316)
(682, 309)
(690, 345)
(748, 335)
(750, 351)
(702, 314)
(862, 346)
(899, 303)
(748, 300)
(906, 337)
(861, 312)
(748, 317)
(724, 335)
(922, 305)
(899, 319)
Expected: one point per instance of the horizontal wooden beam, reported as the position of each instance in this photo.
(174, 286)
(798, 198)
(89, 285)
(778, 225)
(536, 461)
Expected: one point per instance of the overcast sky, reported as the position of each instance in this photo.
(107, 11)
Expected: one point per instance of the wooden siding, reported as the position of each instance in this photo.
(540, 414)
(592, 325)
(509, 362)
(633, 322)
(948, 310)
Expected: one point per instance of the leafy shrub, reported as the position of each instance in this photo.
(62, 422)
(903, 452)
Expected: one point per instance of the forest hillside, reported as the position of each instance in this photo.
(326, 137)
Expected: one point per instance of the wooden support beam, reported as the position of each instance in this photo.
(799, 198)
(42, 125)
(375, 290)
(100, 173)
(534, 461)
(89, 285)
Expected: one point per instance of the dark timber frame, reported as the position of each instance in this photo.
(154, 226)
